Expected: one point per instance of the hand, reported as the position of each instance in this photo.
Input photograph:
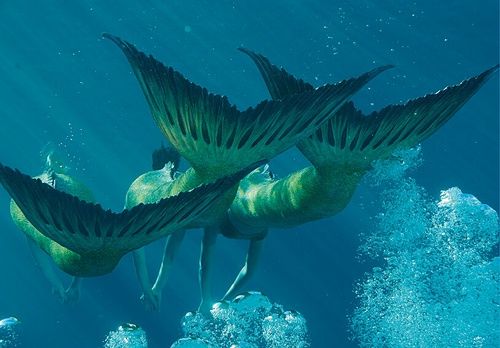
(150, 301)
(72, 294)
(157, 295)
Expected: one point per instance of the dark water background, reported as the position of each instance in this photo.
(61, 83)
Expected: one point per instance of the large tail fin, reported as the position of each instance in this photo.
(87, 228)
(212, 134)
(351, 138)
(279, 82)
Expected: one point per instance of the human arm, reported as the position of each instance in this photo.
(206, 268)
(170, 251)
(252, 258)
(73, 291)
(141, 271)
(47, 270)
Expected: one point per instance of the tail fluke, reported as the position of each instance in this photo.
(212, 134)
(87, 228)
(351, 138)
(279, 82)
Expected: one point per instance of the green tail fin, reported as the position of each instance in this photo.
(279, 82)
(213, 135)
(350, 138)
(87, 228)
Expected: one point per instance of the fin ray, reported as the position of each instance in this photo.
(213, 135)
(85, 227)
(379, 134)
(354, 139)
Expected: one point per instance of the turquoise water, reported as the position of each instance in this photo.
(61, 83)
(438, 283)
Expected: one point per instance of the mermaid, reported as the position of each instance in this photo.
(341, 152)
(149, 188)
(216, 138)
(56, 175)
(82, 238)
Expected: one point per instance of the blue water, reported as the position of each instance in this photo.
(61, 83)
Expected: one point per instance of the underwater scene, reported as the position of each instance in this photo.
(249, 174)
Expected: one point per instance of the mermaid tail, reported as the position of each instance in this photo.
(355, 140)
(341, 151)
(213, 135)
(87, 228)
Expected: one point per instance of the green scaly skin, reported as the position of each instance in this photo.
(149, 188)
(80, 265)
(155, 185)
(306, 195)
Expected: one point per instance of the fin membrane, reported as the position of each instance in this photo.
(279, 82)
(213, 135)
(87, 228)
(351, 138)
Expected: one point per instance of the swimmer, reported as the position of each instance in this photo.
(215, 137)
(341, 152)
(55, 175)
(82, 238)
(149, 188)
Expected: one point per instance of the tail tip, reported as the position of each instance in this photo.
(113, 38)
(492, 70)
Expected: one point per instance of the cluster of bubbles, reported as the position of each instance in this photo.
(71, 146)
(9, 332)
(440, 279)
(250, 320)
(54, 159)
(127, 336)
